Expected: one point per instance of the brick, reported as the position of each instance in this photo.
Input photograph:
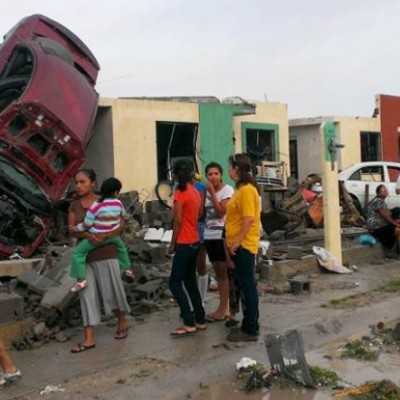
(11, 307)
(59, 297)
(150, 291)
(15, 268)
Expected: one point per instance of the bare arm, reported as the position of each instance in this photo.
(80, 235)
(219, 206)
(385, 214)
(177, 224)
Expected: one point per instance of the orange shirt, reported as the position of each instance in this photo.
(190, 201)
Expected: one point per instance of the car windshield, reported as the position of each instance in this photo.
(22, 182)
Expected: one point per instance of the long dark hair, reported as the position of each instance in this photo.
(182, 170)
(215, 165)
(89, 173)
(243, 163)
(109, 187)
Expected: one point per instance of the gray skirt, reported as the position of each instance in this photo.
(105, 285)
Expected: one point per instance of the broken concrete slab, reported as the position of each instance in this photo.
(15, 268)
(11, 307)
(35, 282)
(141, 273)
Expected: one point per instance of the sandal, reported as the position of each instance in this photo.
(201, 327)
(121, 334)
(82, 347)
(211, 318)
(79, 286)
(183, 331)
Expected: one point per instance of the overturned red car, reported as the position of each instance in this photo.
(47, 109)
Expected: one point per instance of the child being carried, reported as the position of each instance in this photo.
(103, 217)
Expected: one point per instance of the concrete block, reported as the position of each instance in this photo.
(141, 273)
(35, 282)
(151, 290)
(59, 297)
(60, 267)
(15, 268)
(157, 254)
(300, 284)
(11, 307)
(295, 252)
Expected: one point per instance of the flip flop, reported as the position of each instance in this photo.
(121, 334)
(201, 327)
(182, 331)
(210, 318)
(80, 347)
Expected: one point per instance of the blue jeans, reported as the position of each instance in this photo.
(244, 273)
(183, 272)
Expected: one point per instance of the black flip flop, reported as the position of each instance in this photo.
(80, 347)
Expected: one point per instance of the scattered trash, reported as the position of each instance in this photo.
(52, 389)
(366, 240)
(252, 374)
(329, 262)
(244, 363)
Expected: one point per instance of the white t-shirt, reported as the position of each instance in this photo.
(214, 223)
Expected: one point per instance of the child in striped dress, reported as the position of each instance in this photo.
(103, 217)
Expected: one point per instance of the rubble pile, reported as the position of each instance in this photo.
(43, 292)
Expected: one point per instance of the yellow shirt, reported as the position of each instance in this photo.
(244, 203)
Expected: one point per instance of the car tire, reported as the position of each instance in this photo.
(357, 204)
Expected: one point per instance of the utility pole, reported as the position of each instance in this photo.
(332, 230)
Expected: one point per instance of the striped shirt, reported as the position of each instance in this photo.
(103, 217)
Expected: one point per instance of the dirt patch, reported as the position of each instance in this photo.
(366, 298)
(97, 386)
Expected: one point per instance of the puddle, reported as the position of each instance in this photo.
(231, 391)
(358, 372)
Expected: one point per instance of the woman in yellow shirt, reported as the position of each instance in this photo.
(242, 228)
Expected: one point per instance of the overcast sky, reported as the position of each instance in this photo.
(320, 57)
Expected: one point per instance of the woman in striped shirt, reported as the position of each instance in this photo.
(103, 217)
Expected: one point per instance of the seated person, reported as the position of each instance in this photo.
(380, 223)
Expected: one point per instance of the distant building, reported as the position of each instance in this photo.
(137, 139)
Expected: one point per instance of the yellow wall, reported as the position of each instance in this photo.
(134, 137)
(267, 113)
(348, 131)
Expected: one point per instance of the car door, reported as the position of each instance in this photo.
(392, 174)
(364, 181)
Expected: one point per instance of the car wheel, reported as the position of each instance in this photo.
(357, 204)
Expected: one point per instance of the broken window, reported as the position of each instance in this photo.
(17, 125)
(370, 146)
(174, 140)
(393, 172)
(60, 162)
(15, 76)
(260, 145)
(39, 143)
(368, 174)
